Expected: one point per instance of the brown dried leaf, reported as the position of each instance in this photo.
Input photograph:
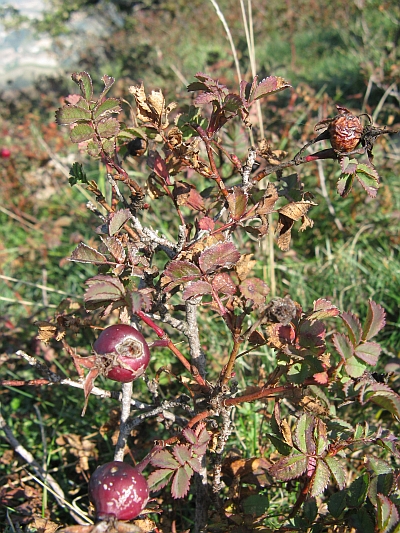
(244, 266)
(296, 210)
(284, 228)
(267, 203)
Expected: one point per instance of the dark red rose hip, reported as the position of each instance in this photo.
(123, 354)
(118, 490)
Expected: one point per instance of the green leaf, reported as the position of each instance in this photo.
(375, 320)
(283, 447)
(387, 399)
(321, 478)
(380, 484)
(84, 82)
(368, 178)
(110, 105)
(357, 491)
(180, 483)
(255, 505)
(70, 114)
(387, 516)
(159, 479)
(108, 127)
(345, 184)
(337, 470)
(164, 459)
(354, 367)
(81, 132)
(104, 288)
(303, 433)
(93, 148)
(86, 254)
(368, 352)
(337, 503)
(77, 175)
(362, 521)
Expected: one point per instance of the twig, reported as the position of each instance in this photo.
(197, 355)
(124, 429)
(53, 378)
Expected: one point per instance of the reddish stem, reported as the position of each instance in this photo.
(161, 333)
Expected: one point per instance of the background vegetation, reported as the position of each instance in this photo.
(345, 53)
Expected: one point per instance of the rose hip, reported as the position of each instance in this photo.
(118, 490)
(122, 353)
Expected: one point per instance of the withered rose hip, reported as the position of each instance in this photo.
(122, 354)
(345, 131)
(118, 490)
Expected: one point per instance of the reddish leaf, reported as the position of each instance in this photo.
(159, 479)
(187, 194)
(104, 288)
(289, 467)
(349, 166)
(369, 352)
(196, 288)
(322, 378)
(115, 248)
(86, 254)
(221, 255)
(237, 201)
(323, 309)
(375, 320)
(232, 103)
(190, 435)
(343, 345)
(269, 85)
(157, 163)
(222, 282)
(254, 289)
(353, 327)
(117, 220)
(108, 83)
(195, 464)
(181, 483)
(178, 272)
(206, 223)
(182, 453)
